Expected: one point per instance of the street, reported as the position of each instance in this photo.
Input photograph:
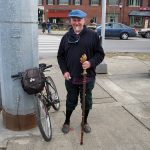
(136, 44)
(48, 45)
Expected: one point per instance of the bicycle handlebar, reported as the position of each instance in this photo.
(45, 67)
(42, 67)
(19, 75)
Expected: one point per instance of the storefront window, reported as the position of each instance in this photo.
(148, 3)
(63, 2)
(50, 2)
(94, 2)
(134, 2)
(112, 17)
(77, 2)
(40, 15)
(113, 2)
(136, 21)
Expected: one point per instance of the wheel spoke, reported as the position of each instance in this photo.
(55, 102)
(43, 119)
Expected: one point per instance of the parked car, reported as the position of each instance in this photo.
(113, 29)
(145, 32)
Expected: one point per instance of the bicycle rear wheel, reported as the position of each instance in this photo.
(43, 117)
(55, 101)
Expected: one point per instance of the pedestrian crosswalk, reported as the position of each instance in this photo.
(48, 45)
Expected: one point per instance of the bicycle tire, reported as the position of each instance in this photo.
(43, 118)
(55, 101)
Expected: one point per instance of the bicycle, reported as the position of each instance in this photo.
(44, 100)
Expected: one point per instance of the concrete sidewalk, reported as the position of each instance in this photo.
(120, 118)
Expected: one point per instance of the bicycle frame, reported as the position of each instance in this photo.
(48, 92)
(44, 100)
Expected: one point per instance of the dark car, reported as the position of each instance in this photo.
(113, 29)
(145, 32)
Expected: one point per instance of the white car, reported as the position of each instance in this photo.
(145, 32)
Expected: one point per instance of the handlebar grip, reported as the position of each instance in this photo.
(17, 75)
(49, 66)
(43, 66)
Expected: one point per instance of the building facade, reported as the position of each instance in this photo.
(135, 13)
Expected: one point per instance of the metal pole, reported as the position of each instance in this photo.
(120, 8)
(120, 15)
(0, 99)
(19, 48)
(0, 73)
(102, 68)
(103, 20)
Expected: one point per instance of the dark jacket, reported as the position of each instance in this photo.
(43, 24)
(73, 46)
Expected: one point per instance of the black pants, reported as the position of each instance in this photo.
(73, 92)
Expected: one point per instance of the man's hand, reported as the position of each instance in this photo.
(86, 65)
(67, 76)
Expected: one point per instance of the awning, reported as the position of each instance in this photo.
(58, 13)
(140, 13)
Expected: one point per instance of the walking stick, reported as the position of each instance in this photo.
(83, 59)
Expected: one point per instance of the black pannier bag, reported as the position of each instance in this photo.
(33, 81)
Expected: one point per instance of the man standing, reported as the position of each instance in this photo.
(49, 26)
(78, 41)
(43, 26)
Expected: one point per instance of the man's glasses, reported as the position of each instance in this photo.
(73, 39)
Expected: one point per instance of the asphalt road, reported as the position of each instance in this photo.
(48, 45)
(136, 44)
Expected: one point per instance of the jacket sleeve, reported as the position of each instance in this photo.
(61, 57)
(98, 52)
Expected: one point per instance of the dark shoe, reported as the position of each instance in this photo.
(87, 128)
(65, 129)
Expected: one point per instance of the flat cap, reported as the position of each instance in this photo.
(77, 13)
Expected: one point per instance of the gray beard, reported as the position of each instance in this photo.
(77, 30)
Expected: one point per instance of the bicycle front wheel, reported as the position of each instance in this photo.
(55, 101)
(43, 118)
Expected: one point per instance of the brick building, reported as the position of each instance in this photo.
(135, 13)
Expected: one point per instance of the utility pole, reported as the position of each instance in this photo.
(103, 20)
(18, 51)
(102, 68)
(120, 8)
(0, 75)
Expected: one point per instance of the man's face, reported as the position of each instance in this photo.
(77, 24)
